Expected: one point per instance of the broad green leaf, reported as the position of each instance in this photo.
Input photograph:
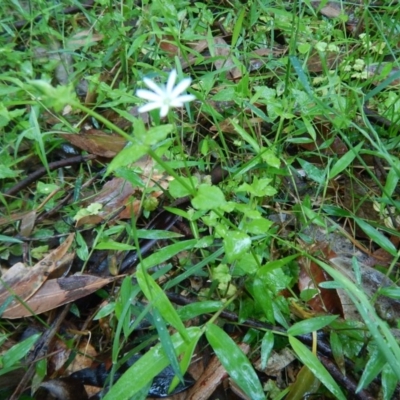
(389, 382)
(377, 237)
(167, 252)
(147, 367)
(311, 361)
(156, 234)
(177, 189)
(6, 172)
(166, 343)
(245, 136)
(208, 198)
(379, 330)
(270, 158)
(271, 265)
(199, 308)
(337, 351)
(390, 291)
(267, 345)
(9, 239)
(156, 134)
(310, 325)
(314, 173)
(158, 299)
(112, 245)
(236, 244)
(372, 369)
(235, 362)
(185, 359)
(304, 386)
(263, 298)
(345, 161)
(18, 351)
(128, 155)
(104, 311)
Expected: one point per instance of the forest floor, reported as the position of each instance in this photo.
(199, 200)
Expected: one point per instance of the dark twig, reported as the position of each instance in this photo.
(34, 176)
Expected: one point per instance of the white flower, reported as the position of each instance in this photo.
(164, 97)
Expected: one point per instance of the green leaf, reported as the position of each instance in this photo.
(199, 308)
(9, 239)
(156, 234)
(379, 330)
(177, 189)
(158, 298)
(112, 245)
(167, 252)
(314, 173)
(236, 244)
(389, 382)
(147, 367)
(6, 172)
(166, 343)
(372, 369)
(235, 362)
(128, 155)
(185, 359)
(156, 134)
(245, 136)
(104, 311)
(390, 291)
(270, 158)
(263, 298)
(310, 325)
(345, 161)
(311, 361)
(304, 386)
(267, 344)
(18, 351)
(208, 198)
(377, 237)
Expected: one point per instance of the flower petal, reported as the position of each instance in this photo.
(153, 86)
(171, 82)
(181, 87)
(164, 110)
(149, 107)
(147, 95)
(185, 98)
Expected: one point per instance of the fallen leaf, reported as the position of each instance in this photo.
(24, 281)
(57, 292)
(97, 142)
(211, 378)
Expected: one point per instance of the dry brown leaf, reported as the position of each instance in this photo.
(227, 127)
(311, 275)
(97, 142)
(211, 378)
(25, 282)
(375, 70)
(28, 223)
(371, 280)
(224, 59)
(57, 292)
(332, 60)
(83, 38)
(276, 362)
(331, 9)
